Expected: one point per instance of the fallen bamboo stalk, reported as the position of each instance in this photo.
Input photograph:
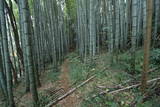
(123, 89)
(133, 86)
(151, 70)
(120, 85)
(69, 92)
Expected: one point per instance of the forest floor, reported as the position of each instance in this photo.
(51, 81)
(72, 100)
(110, 78)
(74, 71)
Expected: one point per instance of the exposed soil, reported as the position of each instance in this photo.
(72, 100)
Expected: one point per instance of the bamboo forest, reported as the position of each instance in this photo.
(79, 53)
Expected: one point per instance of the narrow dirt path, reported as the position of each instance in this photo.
(72, 100)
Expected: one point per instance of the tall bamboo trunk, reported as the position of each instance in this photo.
(147, 42)
(6, 54)
(27, 35)
(134, 33)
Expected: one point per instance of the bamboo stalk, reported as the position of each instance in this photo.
(69, 92)
(123, 89)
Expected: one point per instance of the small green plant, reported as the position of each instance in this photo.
(78, 71)
(155, 56)
(125, 62)
(153, 102)
(43, 99)
(52, 76)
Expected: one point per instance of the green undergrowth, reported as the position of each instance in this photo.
(48, 80)
(124, 60)
(110, 76)
(50, 76)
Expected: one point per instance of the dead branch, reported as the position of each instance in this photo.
(123, 89)
(69, 92)
(120, 85)
(151, 70)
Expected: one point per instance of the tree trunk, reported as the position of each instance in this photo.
(27, 35)
(7, 57)
(134, 34)
(147, 42)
